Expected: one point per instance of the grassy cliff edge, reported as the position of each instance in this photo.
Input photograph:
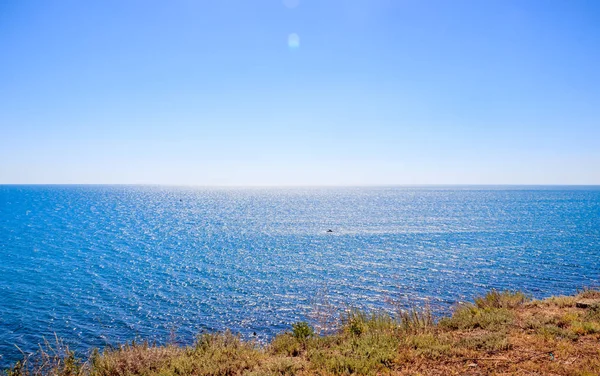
(501, 333)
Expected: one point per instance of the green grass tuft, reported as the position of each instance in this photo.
(503, 299)
(472, 317)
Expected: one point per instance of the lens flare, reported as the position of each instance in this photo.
(293, 41)
(291, 3)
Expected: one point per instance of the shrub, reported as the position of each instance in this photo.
(593, 313)
(416, 320)
(286, 344)
(583, 328)
(220, 354)
(368, 354)
(553, 331)
(355, 322)
(302, 331)
(132, 359)
(471, 317)
(51, 359)
(589, 293)
(504, 299)
(560, 301)
(429, 345)
(279, 367)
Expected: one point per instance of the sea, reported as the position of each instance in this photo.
(99, 266)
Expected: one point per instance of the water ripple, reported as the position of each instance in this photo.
(100, 265)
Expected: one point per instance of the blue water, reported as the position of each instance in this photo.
(101, 265)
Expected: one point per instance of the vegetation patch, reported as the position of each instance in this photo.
(486, 341)
(501, 333)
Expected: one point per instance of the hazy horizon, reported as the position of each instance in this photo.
(300, 93)
(283, 186)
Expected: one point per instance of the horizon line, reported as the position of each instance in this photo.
(304, 185)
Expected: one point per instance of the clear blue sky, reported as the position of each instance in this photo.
(308, 92)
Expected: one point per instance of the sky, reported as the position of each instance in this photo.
(299, 92)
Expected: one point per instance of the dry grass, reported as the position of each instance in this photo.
(501, 333)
